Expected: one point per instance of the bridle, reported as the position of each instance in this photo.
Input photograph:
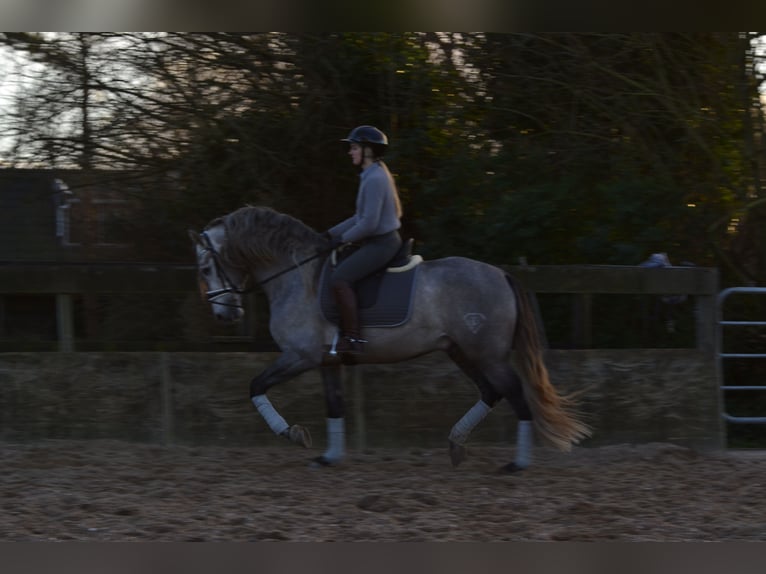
(228, 284)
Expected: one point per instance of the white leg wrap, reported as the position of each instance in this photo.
(336, 439)
(523, 443)
(270, 415)
(473, 417)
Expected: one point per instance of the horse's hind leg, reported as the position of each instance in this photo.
(477, 413)
(507, 382)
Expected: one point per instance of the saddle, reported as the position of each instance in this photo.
(384, 297)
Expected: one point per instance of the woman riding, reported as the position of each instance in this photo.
(374, 227)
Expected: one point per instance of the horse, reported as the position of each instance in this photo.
(475, 312)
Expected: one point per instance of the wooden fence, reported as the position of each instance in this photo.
(632, 394)
(626, 395)
(65, 281)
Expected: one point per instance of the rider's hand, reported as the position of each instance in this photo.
(335, 242)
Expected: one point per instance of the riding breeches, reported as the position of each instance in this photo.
(373, 255)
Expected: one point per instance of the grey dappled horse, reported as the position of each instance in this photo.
(473, 311)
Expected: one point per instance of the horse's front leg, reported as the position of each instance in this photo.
(336, 411)
(287, 366)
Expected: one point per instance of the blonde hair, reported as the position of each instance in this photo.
(393, 186)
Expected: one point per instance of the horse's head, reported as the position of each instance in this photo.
(220, 284)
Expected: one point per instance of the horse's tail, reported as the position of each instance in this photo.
(553, 415)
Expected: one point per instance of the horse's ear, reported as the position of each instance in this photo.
(194, 236)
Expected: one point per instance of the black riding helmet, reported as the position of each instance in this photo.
(369, 136)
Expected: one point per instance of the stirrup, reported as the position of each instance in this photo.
(355, 345)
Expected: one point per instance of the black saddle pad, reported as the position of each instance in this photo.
(385, 298)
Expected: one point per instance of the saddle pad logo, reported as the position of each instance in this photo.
(474, 321)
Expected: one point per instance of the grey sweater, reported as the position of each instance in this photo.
(377, 206)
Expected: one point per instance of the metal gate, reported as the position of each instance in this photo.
(721, 356)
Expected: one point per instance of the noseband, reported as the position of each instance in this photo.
(228, 284)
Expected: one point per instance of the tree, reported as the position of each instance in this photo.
(605, 147)
(565, 148)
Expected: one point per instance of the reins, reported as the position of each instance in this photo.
(295, 266)
(231, 288)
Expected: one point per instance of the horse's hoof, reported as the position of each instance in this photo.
(511, 467)
(457, 453)
(323, 462)
(300, 435)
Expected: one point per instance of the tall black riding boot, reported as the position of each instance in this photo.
(345, 298)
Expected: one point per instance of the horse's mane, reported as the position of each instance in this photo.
(261, 234)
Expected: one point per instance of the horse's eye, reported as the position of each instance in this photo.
(205, 272)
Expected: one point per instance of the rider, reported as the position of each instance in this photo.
(374, 227)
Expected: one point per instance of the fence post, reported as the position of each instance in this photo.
(582, 320)
(705, 311)
(166, 399)
(65, 322)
